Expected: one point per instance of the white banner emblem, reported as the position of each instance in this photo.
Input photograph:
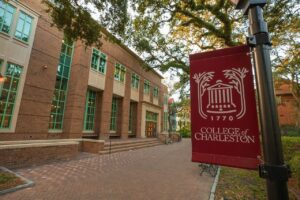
(220, 95)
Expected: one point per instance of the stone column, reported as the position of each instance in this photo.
(139, 108)
(126, 106)
(107, 100)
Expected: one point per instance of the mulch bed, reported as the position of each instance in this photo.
(9, 180)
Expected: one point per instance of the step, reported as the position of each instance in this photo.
(36, 145)
(128, 148)
(130, 145)
(116, 143)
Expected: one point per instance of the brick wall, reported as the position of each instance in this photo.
(287, 112)
(24, 157)
(286, 103)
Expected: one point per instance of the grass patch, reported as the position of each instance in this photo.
(246, 184)
(9, 180)
(291, 151)
(240, 184)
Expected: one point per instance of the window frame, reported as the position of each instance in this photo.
(165, 100)
(120, 72)
(135, 80)
(114, 115)
(59, 99)
(130, 118)
(151, 116)
(100, 55)
(147, 89)
(12, 78)
(90, 106)
(165, 121)
(22, 33)
(12, 17)
(155, 92)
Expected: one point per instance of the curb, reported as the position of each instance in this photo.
(214, 186)
(28, 183)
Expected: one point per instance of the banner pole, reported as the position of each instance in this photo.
(274, 170)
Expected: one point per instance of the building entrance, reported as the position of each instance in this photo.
(151, 129)
(151, 124)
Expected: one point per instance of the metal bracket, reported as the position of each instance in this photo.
(275, 172)
(259, 39)
(246, 4)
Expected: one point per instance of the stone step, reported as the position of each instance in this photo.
(130, 145)
(128, 148)
(120, 143)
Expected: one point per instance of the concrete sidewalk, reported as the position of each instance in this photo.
(158, 173)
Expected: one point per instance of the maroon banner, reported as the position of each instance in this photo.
(223, 109)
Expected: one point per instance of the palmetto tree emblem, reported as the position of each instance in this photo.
(237, 79)
(219, 95)
(202, 80)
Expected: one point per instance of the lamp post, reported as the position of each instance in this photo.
(273, 169)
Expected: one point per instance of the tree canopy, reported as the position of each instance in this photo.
(165, 32)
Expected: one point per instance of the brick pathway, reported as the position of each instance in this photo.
(160, 173)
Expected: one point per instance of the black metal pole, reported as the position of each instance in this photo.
(272, 147)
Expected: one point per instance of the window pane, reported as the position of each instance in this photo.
(9, 109)
(6, 121)
(67, 60)
(1, 14)
(22, 16)
(20, 26)
(69, 51)
(66, 72)
(4, 95)
(27, 28)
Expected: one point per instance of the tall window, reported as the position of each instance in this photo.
(90, 110)
(6, 16)
(130, 117)
(150, 116)
(165, 121)
(61, 85)
(146, 87)
(23, 27)
(155, 91)
(166, 100)
(114, 111)
(135, 79)
(98, 61)
(8, 93)
(120, 71)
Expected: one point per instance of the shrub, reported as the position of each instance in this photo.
(291, 151)
(185, 132)
(295, 167)
(291, 131)
(290, 146)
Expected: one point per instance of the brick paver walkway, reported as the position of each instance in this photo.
(160, 173)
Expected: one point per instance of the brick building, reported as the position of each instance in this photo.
(286, 103)
(57, 89)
